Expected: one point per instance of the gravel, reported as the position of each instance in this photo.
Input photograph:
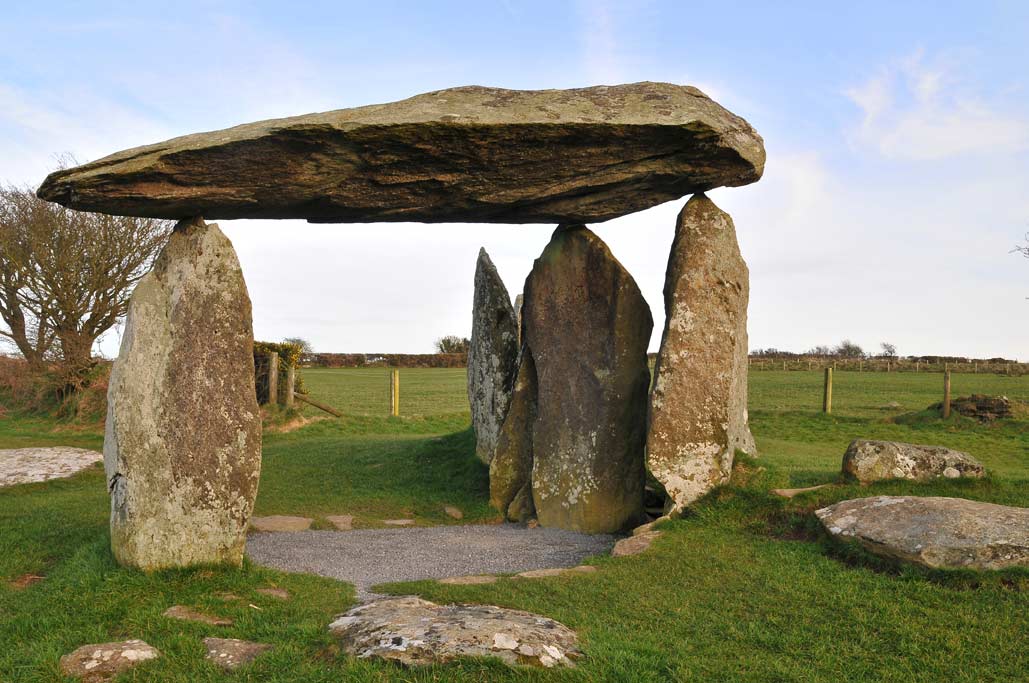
(372, 556)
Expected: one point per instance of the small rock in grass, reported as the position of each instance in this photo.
(280, 523)
(280, 593)
(469, 580)
(412, 631)
(228, 597)
(189, 614)
(790, 493)
(103, 661)
(634, 545)
(453, 512)
(555, 571)
(398, 522)
(869, 461)
(230, 653)
(341, 522)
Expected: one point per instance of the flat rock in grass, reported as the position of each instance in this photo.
(634, 545)
(868, 461)
(482, 155)
(398, 522)
(555, 571)
(189, 614)
(230, 653)
(412, 631)
(453, 512)
(791, 493)
(103, 661)
(28, 465)
(279, 593)
(474, 580)
(940, 533)
(341, 522)
(274, 523)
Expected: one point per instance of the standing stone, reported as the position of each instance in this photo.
(492, 356)
(182, 450)
(587, 327)
(698, 406)
(510, 473)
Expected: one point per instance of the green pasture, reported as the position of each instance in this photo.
(745, 588)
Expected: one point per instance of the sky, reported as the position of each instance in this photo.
(897, 133)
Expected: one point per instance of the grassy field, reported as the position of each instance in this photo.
(744, 589)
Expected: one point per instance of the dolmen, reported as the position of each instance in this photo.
(561, 401)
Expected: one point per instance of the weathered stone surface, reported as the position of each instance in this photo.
(453, 512)
(492, 356)
(510, 472)
(556, 571)
(869, 461)
(635, 544)
(189, 614)
(465, 154)
(341, 522)
(28, 465)
(413, 631)
(698, 405)
(103, 661)
(277, 593)
(398, 522)
(587, 327)
(941, 533)
(182, 450)
(474, 580)
(230, 653)
(280, 523)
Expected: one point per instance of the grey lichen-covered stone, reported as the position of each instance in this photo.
(182, 449)
(103, 661)
(510, 472)
(868, 461)
(412, 631)
(492, 356)
(484, 155)
(940, 533)
(28, 465)
(587, 327)
(698, 404)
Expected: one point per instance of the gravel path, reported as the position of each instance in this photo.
(371, 556)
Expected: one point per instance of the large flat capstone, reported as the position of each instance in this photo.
(470, 154)
(941, 533)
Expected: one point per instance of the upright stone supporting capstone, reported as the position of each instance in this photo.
(492, 356)
(698, 405)
(587, 326)
(182, 450)
(510, 472)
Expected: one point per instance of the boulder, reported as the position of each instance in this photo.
(492, 356)
(869, 461)
(412, 631)
(587, 327)
(510, 473)
(182, 449)
(104, 661)
(698, 404)
(482, 155)
(940, 533)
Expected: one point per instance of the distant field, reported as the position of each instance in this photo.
(365, 391)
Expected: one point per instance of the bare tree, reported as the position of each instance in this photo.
(66, 276)
(888, 350)
(453, 344)
(848, 349)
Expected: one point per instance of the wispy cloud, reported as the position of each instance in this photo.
(921, 111)
(600, 49)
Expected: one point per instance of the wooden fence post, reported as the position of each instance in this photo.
(291, 381)
(395, 393)
(827, 392)
(273, 378)
(946, 394)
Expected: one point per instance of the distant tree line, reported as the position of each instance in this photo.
(847, 350)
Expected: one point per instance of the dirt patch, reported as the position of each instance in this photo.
(24, 581)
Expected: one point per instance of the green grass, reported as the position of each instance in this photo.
(745, 589)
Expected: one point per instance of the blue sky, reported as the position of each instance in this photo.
(897, 137)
